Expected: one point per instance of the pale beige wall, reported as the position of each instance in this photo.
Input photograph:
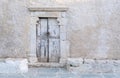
(13, 28)
(93, 27)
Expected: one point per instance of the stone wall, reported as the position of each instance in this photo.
(93, 27)
(93, 66)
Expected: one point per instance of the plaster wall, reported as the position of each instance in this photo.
(14, 28)
(93, 27)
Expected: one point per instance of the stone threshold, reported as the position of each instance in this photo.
(48, 65)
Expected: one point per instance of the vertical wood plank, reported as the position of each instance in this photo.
(53, 28)
(43, 38)
(54, 46)
(54, 50)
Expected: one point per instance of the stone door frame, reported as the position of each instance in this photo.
(54, 12)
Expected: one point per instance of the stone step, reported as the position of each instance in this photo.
(55, 65)
(13, 65)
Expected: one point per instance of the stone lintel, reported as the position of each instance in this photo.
(48, 9)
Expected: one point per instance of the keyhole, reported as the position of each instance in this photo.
(48, 33)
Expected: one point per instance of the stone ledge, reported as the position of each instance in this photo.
(48, 9)
(48, 65)
(95, 66)
(14, 65)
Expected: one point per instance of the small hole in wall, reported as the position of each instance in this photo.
(71, 65)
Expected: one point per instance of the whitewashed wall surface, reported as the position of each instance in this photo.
(14, 28)
(93, 27)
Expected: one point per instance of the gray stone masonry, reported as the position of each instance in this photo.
(58, 73)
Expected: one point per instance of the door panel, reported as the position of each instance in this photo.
(53, 28)
(42, 40)
(48, 44)
(53, 40)
(54, 50)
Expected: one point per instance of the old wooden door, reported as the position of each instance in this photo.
(48, 40)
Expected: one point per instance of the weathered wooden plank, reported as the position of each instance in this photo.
(53, 28)
(48, 40)
(44, 41)
(43, 51)
(54, 50)
(54, 46)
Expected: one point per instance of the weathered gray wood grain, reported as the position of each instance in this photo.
(48, 40)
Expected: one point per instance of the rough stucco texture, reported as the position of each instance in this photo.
(93, 27)
(13, 28)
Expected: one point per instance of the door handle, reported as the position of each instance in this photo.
(48, 33)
